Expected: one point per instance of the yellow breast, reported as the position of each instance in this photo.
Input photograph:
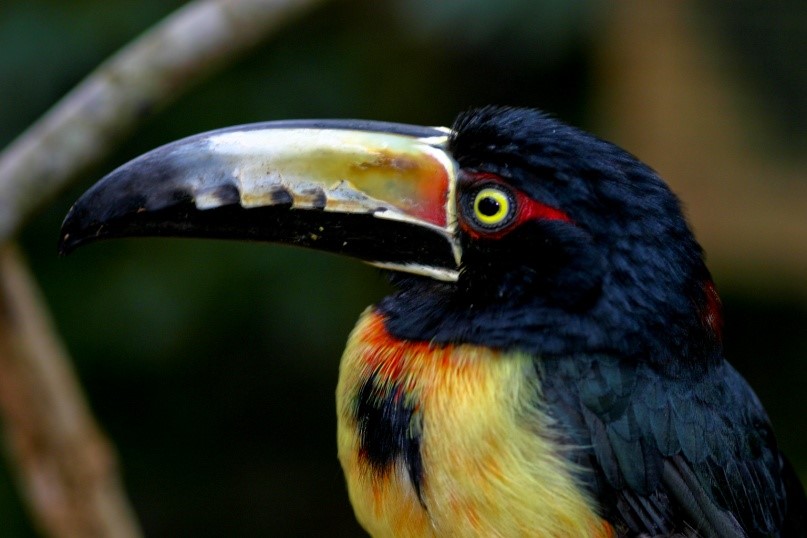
(451, 441)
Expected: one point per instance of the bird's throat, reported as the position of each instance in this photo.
(451, 441)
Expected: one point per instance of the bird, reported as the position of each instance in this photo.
(549, 362)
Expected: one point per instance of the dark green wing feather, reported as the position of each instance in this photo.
(692, 454)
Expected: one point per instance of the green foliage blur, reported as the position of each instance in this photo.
(212, 365)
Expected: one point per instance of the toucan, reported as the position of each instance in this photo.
(549, 363)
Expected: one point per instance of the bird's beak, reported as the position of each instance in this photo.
(380, 192)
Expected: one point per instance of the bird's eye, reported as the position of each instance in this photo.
(489, 208)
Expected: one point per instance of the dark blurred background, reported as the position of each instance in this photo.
(212, 366)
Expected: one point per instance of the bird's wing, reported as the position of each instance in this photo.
(690, 453)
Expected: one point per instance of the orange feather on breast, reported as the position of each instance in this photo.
(452, 441)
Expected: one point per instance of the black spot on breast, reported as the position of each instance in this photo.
(387, 429)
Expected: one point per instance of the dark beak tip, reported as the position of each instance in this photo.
(74, 231)
(67, 241)
(64, 247)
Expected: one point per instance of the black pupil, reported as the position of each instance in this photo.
(489, 206)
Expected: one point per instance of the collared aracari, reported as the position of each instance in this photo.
(550, 362)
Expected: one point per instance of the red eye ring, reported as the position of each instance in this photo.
(520, 207)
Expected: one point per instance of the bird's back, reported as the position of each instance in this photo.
(693, 454)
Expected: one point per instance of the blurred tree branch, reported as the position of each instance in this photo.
(65, 466)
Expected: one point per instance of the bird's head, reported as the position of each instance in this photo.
(511, 229)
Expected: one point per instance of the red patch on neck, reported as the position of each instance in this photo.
(390, 357)
(712, 312)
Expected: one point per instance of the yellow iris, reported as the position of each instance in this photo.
(491, 207)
